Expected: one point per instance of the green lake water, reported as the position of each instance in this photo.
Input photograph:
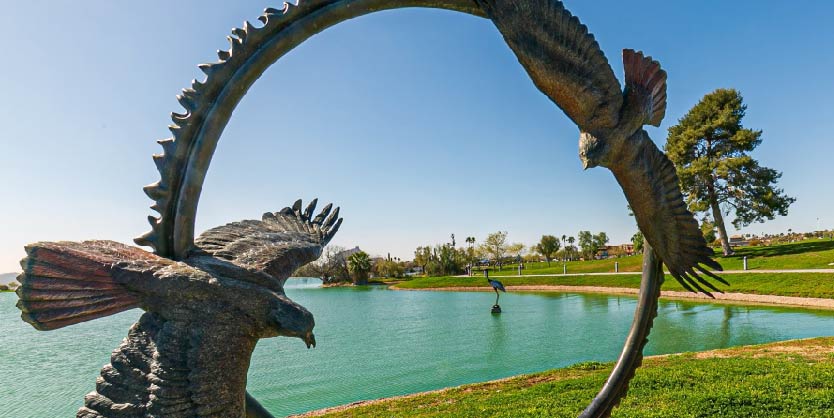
(374, 343)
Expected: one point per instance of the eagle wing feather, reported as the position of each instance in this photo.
(562, 57)
(278, 244)
(650, 183)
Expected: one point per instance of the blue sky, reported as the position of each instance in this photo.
(419, 123)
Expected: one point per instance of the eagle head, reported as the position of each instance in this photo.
(592, 150)
(290, 319)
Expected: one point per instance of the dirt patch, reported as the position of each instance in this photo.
(813, 350)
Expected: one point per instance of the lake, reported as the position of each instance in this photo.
(373, 342)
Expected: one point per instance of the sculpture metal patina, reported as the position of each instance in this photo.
(188, 355)
(208, 301)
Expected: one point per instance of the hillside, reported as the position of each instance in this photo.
(6, 278)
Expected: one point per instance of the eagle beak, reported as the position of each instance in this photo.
(585, 164)
(310, 339)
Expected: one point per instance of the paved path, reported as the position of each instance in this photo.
(745, 298)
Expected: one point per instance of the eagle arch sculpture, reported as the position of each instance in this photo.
(209, 300)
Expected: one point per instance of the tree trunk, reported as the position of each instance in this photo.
(719, 223)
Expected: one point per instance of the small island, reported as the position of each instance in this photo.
(7, 282)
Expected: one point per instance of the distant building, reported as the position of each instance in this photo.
(615, 251)
(738, 241)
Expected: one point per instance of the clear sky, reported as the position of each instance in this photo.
(419, 123)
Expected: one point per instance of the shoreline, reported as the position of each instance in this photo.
(730, 298)
(774, 348)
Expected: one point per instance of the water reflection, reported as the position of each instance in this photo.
(302, 283)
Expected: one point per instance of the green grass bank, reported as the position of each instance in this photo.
(784, 379)
(808, 254)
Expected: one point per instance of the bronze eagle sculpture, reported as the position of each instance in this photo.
(565, 62)
(209, 300)
(188, 355)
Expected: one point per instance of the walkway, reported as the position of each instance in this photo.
(745, 298)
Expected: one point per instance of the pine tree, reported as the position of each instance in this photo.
(710, 149)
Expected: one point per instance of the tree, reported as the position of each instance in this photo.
(586, 244)
(548, 246)
(422, 257)
(389, 268)
(570, 248)
(495, 245)
(516, 248)
(359, 264)
(708, 229)
(637, 241)
(600, 240)
(449, 260)
(590, 243)
(710, 147)
(331, 267)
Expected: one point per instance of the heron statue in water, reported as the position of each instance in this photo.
(496, 286)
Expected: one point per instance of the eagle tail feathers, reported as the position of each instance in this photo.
(646, 80)
(65, 283)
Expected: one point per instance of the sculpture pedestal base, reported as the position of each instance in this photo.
(496, 309)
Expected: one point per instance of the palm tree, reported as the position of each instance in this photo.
(571, 240)
(564, 238)
(359, 264)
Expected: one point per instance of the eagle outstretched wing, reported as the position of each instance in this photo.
(562, 57)
(651, 187)
(278, 244)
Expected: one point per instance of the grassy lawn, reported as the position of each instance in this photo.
(785, 379)
(810, 254)
(816, 285)
(632, 263)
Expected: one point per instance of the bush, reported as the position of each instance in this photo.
(389, 268)
(434, 268)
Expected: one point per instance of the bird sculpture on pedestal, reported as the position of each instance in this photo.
(496, 286)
